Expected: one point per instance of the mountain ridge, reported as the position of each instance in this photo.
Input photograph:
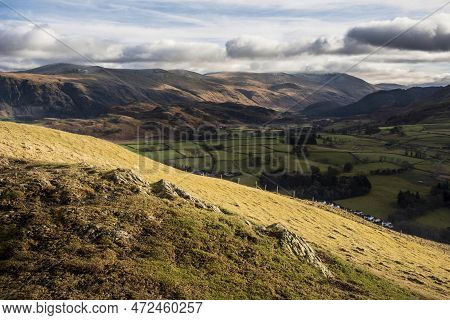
(66, 90)
(384, 104)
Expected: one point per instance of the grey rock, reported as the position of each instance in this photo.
(167, 190)
(297, 246)
(128, 178)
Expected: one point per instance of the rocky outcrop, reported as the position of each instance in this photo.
(163, 188)
(168, 190)
(126, 177)
(297, 246)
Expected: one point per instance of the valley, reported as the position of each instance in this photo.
(394, 159)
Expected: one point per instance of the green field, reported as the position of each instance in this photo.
(420, 148)
(381, 200)
(438, 218)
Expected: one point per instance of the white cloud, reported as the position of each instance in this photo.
(23, 38)
(31, 42)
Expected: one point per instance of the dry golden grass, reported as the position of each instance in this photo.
(420, 265)
(39, 78)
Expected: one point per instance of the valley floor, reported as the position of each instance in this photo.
(242, 155)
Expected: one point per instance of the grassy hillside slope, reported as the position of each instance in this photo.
(76, 232)
(410, 262)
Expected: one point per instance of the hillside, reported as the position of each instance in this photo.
(379, 104)
(390, 86)
(436, 109)
(95, 234)
(409, 262)
(296, 91)
(353, 87)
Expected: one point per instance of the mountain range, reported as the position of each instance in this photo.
(65, 90)
(113, 103)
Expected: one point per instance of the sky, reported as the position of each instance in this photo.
(405, 42)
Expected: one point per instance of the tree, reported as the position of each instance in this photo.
(408, 199)
(315, 170)
(332, 172)
(348, 167)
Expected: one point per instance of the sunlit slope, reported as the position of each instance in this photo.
(421, 265)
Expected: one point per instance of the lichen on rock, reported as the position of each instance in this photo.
(168, 190)
(297, 246)
(127, 177)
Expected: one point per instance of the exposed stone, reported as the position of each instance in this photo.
(168, 190)
(297, 246)
(127, 177)
(122, 237)
(4, 162)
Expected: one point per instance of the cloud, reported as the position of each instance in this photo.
(398, 34)
(257, 47)
(169, 51)
(253, 47)
(287, 44)
(24, 38)
(350, 46)
(403, 34)
(31, 42)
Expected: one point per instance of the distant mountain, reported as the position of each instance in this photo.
(283, 91)
(434, 109)
(381, 103)
(67, 91)
(63, 68)
(173, 97)
(442, 82)
(390, 86)
(353, 87)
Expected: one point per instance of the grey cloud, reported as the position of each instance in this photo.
(169, 51)
(244, 47)
(253, 48)
(318, 46)
(352, 47)
(432, 38)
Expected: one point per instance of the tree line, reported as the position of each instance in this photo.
(411, 205)
(317, 185)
